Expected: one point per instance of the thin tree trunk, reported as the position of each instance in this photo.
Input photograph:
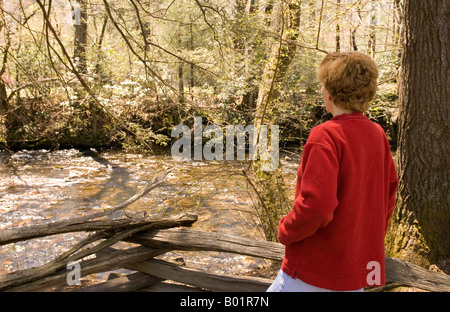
(180, 83)
(99, 63)
(248, 48)
(180, 75)
(353, 31)
(80, 42)
(191, 67)
(4, 105)
(372, 27)
(353, 40)
(338, 29)
(420, 229)
(273, 200)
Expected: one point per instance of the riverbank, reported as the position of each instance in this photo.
(139, 123)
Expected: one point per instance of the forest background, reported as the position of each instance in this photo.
(121, 74)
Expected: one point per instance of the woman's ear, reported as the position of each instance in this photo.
(325, 94)
(328, 95)
(330, 98)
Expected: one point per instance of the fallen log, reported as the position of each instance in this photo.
(127, 283)
(188, 239)
(26, 233)
(408, 274)
(198, 278)
(107, 260)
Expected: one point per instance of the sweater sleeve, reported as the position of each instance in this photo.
(316, 195)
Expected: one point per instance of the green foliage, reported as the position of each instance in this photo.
(215, 52)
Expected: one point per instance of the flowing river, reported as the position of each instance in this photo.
(42, 186)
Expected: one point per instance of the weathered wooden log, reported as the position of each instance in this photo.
(405, 273)
(106, 260)
(188, 239)
(138, 281)
(26, 233)
(127, 283)
(197, 278)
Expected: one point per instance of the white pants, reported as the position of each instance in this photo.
(284, 283)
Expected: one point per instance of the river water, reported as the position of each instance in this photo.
(42, 186)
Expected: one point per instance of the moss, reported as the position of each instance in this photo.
(405, 241)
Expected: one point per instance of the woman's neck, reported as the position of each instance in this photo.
(335, 111)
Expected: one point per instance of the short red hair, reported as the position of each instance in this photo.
(350, 78)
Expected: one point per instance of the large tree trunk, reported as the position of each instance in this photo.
(269, 185)
(420, 228)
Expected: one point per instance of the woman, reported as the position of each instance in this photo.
(345, 189)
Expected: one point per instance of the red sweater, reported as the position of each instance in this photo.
(344, 198)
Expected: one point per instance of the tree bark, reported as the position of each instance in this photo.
(420, 228)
